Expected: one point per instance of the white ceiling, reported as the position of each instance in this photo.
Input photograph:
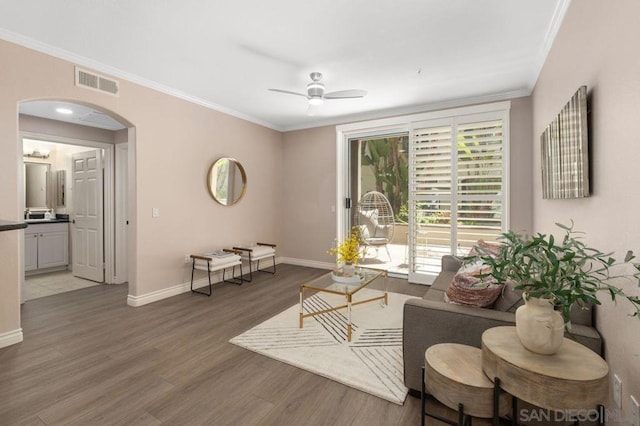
(410, 55)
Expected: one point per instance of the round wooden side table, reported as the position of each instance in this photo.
(572, 379)
(453, 375)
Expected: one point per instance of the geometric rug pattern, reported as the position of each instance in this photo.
(371, 362)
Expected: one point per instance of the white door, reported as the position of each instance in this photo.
(87, 223)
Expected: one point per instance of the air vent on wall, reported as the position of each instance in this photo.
(97, 82)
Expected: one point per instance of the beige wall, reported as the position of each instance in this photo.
(310, 164)
(309, 225)
(521, 189)
(176, 142)
(597, 45)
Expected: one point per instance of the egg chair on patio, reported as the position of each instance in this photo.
(375, 221)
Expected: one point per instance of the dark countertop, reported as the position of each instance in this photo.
(40, 221)
(6, 225)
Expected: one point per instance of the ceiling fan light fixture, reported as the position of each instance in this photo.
(315, 90)
(316, 93)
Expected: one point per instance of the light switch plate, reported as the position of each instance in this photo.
(635, 412)
(155, 212)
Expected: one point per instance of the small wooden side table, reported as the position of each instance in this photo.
(453, 375)
(572, 379)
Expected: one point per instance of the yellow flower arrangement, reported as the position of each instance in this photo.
(349, 250)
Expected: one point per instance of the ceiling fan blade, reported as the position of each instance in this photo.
(346, 94)
(288, 92)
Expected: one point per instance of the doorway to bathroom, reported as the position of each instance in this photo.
(86, 197)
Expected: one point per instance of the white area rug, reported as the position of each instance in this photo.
(371, 362)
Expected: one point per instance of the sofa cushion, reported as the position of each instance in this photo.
(442, 281)
(217, 263)
(258, 252)
(582, 316)
(368, 221)
(439, 286)
(509, 299)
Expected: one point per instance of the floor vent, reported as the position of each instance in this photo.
(97, 82)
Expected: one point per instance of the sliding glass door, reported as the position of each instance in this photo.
(454, 166)
(380, 163)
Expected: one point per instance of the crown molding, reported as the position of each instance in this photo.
(385, 113)
(556, 22)
(63, 54)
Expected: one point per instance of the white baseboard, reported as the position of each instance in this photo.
(308, 263)
(175, 290)
(11, 338)
(165, 293)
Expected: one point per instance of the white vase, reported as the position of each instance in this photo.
(539, 327)
(348, 269)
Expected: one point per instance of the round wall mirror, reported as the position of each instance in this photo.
(227, 181)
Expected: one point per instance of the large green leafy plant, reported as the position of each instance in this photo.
(567, 272)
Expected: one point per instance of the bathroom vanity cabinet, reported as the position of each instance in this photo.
(46, 246)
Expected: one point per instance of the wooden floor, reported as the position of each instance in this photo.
(89, 359)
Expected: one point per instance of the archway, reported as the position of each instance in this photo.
(76, 123)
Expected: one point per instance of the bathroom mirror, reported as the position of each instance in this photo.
(227, 181)
(36, 185)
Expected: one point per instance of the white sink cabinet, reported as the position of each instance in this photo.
(46, 246)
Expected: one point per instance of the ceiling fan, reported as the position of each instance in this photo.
(315, 91)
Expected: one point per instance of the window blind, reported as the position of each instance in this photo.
(456, 189)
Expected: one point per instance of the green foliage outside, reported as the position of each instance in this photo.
(388, 160)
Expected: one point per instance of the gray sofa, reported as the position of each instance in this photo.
(430, 320)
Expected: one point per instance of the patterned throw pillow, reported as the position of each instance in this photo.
(491, 249)
(467, 289)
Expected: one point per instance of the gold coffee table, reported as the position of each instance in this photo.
(326, 284)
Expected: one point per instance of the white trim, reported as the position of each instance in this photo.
(405, 111)
(405, 120)
(342, 157)
(120, 274)
(175, 290)
(506, 172)
(108, 214)
(307, 263)
(107, 69)
(165, 293)
(556, 22)
(11, 338)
